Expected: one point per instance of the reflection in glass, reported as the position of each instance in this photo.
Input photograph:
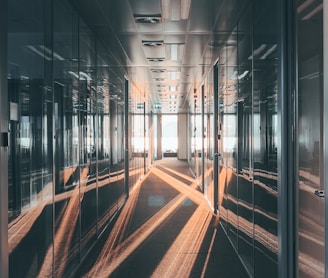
(311, 219)
(248, 138)
(66, 159)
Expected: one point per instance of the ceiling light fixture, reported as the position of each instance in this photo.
(38, 52)
(176, 10)
(257, 51)
(173, 88)
(185, 8)
(304, 5)
(53, 53)
(174, 52)
(316, 10)
(174, 75)
(268, 52)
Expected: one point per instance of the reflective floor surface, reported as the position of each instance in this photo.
(166, 229)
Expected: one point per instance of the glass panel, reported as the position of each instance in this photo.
(245, 139)
(30, 152)
(62, 119)
(117, 140)
(209, 140)
(65, 66)
(88, 140)
(230, 125)
(265, 138)
(103, 99)
(311, 219)
(248, 123)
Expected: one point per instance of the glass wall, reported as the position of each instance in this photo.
(66, 156)
(247, 193)
(195, 124)
(265, 132)
(208, 137)
(311, 216)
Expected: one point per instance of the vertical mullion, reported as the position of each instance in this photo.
(325, 122)
(4, 143)
(216, 133)
(126, 137)
(203, 138)
(286, 165)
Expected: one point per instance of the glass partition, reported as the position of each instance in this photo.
(248, 193)
(66, 156)
(311, 203)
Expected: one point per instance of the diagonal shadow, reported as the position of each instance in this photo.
(187, 202)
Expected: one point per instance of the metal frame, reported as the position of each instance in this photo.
(126, 137)
(3, 142)
(216, 134)
(325, 122)
(203, 138)
(286, 155)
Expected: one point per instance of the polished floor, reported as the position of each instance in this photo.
(166, 229)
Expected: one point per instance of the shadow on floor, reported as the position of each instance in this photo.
(166, 229)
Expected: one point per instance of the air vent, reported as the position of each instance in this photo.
(153, 43)
(158, 70)
(148, 19)
(161, 59)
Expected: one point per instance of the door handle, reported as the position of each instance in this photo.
(320, 193)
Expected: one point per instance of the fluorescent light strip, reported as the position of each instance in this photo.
(175, 10)
(314, 12)
(303, 6)
(268, 52)
(48, 51)
(185, 9)
(174, 52)
(73, 74)
(173, 88)
(38, 52)
(257, 51)
(243, 75)
(166, 9)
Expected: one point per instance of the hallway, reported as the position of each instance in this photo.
(166, 229)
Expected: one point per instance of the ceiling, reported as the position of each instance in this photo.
(166, 47)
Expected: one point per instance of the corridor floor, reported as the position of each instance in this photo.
(165, 229)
